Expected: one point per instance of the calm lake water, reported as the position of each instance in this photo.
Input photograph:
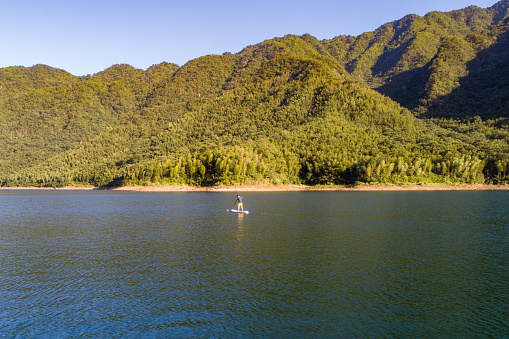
(105, 264)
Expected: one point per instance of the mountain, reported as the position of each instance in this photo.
(17, 80)
(372, 108)
(419, 61)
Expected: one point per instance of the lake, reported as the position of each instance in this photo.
(110, 264)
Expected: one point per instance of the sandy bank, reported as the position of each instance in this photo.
(282, 188)
(176, 188)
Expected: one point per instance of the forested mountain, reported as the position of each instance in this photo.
(420, 62)
(372, 108)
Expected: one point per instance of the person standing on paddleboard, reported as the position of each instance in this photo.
(240, 206)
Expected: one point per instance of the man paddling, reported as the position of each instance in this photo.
(240, 207)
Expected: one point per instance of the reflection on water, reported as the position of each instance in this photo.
(240, 217)
(301, 264)
(240, 224)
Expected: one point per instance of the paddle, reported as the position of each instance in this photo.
(231, 208)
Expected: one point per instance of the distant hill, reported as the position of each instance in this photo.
(372, 108)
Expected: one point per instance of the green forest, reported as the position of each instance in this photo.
(420, 100)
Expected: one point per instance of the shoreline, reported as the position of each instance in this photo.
(282, 188)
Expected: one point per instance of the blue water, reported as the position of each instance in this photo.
(108, 264)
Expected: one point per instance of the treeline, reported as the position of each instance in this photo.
(249, 166)
(240, 165)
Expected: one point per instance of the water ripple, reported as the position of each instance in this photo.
(334, 264)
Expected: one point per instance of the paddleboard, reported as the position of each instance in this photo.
(237, 211)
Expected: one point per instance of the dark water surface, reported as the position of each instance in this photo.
(105, 264)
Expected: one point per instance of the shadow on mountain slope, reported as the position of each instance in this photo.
(484, 91)
(406, 88)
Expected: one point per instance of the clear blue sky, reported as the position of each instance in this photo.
(88, 36)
